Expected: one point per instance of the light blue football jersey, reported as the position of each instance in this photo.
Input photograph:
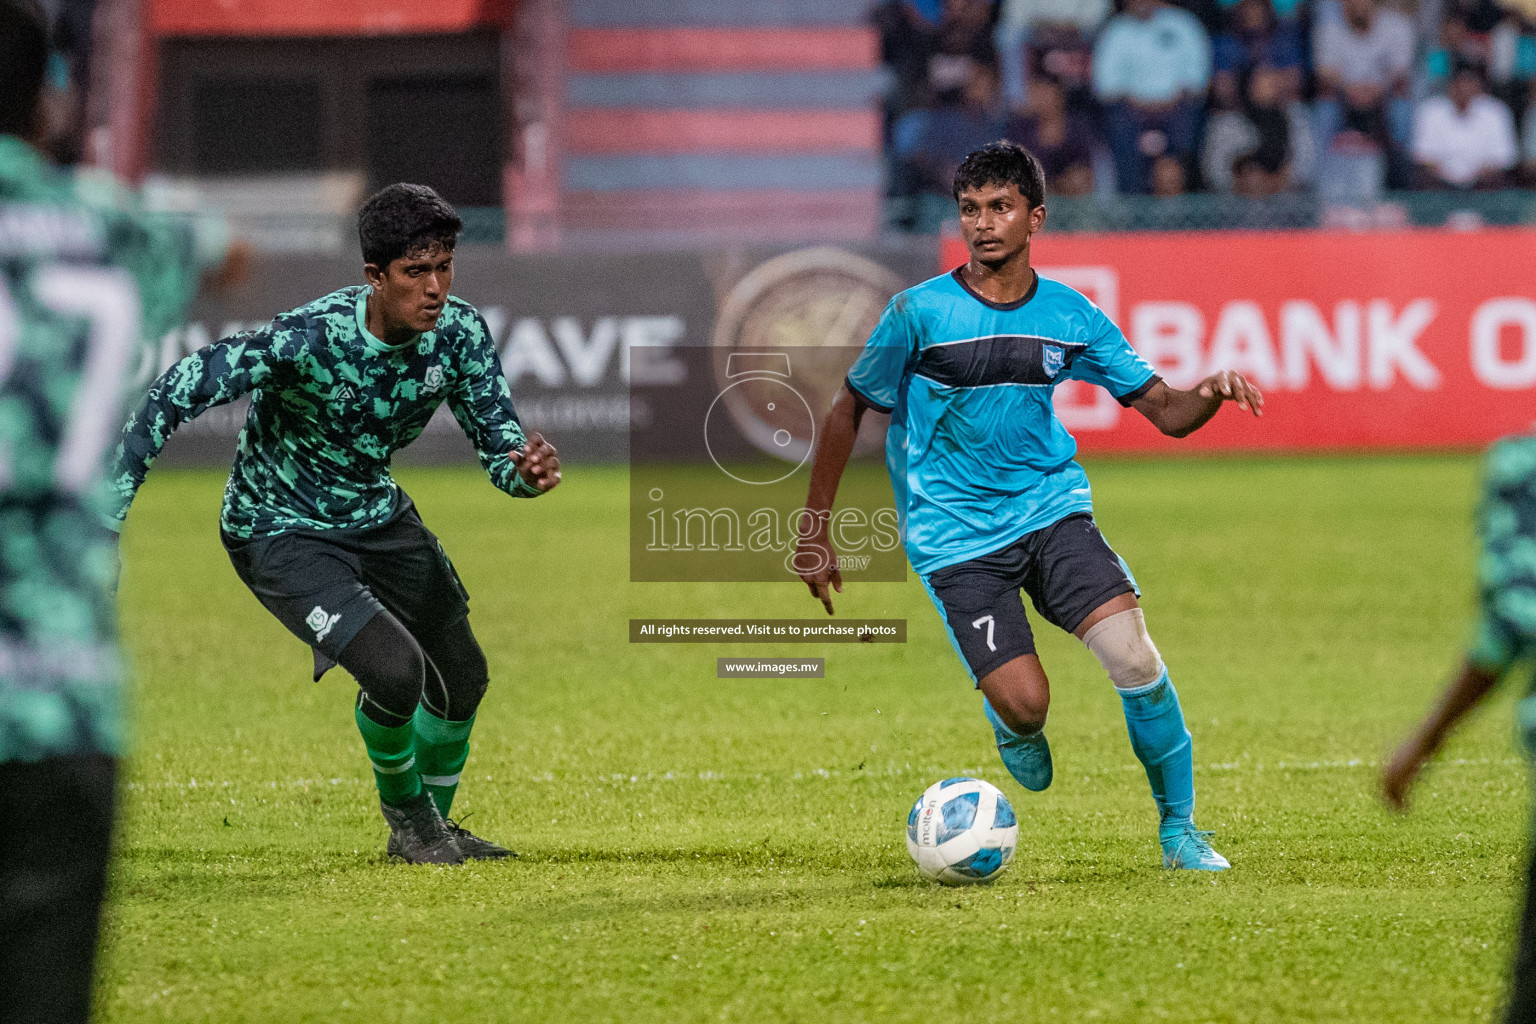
(976, 454)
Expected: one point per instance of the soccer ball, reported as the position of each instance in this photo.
(962, 831)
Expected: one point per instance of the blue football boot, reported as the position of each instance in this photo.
(1027, 758)
(1188, 848)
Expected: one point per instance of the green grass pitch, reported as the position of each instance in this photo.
(698, 849)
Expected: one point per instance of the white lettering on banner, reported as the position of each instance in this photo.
(528, 351)
(1394, 344)
(1168, 335)
(641, 346)
(647, 352)
(1304, 333)
(1488, 361)
(587, 357)
(1242, 343)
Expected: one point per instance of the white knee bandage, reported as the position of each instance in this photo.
(1123, 647)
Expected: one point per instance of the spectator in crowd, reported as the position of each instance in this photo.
(1512, 54)
(1466, 138)
(1053, 38)
(1269, 126)
(1456, 44)
(1168, 177)
(1210, 12)
(908, 30)
(1363, 64)
(1062, 140)
(1479, 16)
(1254, 37)
(1252, 178)
(1151, 68)
(929, 46)
(963, 41)
(931, 143)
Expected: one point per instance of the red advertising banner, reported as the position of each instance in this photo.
(331, 18)
(1411, 339)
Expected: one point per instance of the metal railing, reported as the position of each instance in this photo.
(1206, 212)
(929, 215)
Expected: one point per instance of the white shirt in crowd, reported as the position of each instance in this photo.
(1378, 57)
(1461, 146)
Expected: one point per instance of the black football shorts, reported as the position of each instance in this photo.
(1067, 569)
(324, 585)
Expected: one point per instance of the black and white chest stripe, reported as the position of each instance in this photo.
(997, 359)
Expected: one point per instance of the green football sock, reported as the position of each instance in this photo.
(394, 762)
(442, 747)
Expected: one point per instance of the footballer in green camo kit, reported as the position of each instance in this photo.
(319, 530)
(88, 282)
(1503, 638)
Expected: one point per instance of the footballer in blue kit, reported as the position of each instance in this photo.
(990, 498)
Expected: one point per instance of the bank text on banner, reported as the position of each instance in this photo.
(1399, 340)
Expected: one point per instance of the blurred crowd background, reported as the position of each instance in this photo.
(617, 124)
(1337, 100)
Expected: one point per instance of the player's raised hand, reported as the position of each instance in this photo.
(1231, 386)
(816, 563)
(538, 463)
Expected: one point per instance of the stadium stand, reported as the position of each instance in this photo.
(603, 124)
(688, 119)
(1237, 113)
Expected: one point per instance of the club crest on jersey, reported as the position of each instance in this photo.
(1052, 359)
(433, 380)
(322, 622)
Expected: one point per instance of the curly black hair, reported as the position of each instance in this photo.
(23, 63)
(1003, 163)
(401, 219)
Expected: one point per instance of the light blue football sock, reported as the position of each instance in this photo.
(1162, 744)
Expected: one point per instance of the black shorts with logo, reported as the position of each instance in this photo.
(1067, 569)
(324, 585)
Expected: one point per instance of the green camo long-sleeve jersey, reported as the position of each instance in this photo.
(86, 279)
(1506, 568)
(330, 405)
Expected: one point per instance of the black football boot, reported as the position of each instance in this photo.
(418, 834)
(472, 846)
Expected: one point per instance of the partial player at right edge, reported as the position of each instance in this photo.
(989, 496)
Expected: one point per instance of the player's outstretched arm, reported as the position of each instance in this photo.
(481, 402)
(1181, 413)
(815, 559)
(1465, 693)
(211, 376)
